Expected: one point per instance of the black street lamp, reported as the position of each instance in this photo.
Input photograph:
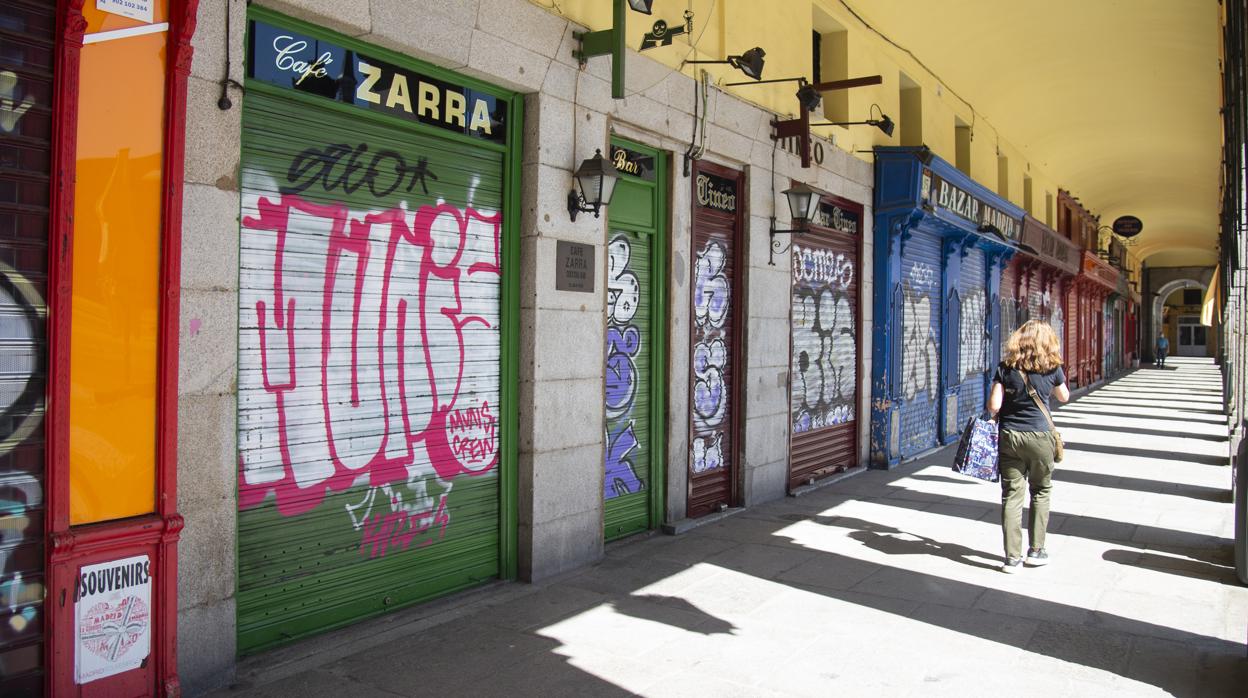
(803, 206)
(596, 179)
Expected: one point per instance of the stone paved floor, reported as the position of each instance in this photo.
(883, 584)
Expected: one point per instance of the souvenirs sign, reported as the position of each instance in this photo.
(306, 64)
(112, 618)
(944, 194)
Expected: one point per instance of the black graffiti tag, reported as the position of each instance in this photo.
(341, 165)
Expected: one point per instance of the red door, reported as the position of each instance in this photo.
(825, 341)
(715, 365)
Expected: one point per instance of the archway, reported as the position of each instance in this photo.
(1159, 303)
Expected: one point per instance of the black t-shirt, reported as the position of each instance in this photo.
(1018, 411)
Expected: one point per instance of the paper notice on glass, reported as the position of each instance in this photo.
(112, 618)
(134, 9)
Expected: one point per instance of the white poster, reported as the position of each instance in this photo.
(134, 9)
(113, 618)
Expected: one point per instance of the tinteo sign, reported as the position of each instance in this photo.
(941, 193)
(718, 193)
(112, 618)
(303, 63)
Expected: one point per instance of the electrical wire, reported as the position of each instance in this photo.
(693, 46)
(924, 66)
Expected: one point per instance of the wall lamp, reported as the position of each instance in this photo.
(596, 178)
(610, 42)
(883, 123)
(750, 63)
(803, 206)
(808, 99)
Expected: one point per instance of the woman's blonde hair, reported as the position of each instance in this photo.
(1033, 348)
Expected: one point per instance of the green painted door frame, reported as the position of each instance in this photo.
(639, 208)
(325, 556)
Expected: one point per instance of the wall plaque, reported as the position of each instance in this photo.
(574, 267)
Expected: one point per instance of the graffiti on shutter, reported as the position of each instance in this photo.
(824, 354)
(369, 367)
(920, 339)
(627, 373)
(824, 340)
(973, 337)
(710, 357)
(27, 36)
(1008, 319)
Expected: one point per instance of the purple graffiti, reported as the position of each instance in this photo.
(621, 479)
(622, 377)
(621, 386)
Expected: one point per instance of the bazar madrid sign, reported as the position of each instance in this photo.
(303, 63)
(944, 194)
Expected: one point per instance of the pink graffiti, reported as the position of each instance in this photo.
(377, 375)
(398, 529)
(474, 435)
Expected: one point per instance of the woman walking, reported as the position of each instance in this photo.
(1030, 373)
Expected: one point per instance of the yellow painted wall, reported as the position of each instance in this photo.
(783, 30)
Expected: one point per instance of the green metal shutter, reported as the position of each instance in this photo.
(369, 366)
(636, 324)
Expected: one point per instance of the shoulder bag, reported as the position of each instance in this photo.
(1059, 450)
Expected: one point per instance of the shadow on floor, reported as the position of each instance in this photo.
(1176, 433)
(658, 608)
(1091, 411)
(1195, 569)
(1195, 458)
(1083, 477)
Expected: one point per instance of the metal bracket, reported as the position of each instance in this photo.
(776, 247)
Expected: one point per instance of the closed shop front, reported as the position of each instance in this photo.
(941, 243)
(973, 335)
(26, 156)
(1092, 356)
(825, 340)
(1045, 267)
(1010, 308)
(718, 210)
(635, 355)
(375, 395)
(919, 347)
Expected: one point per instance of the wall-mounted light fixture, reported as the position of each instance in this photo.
(610, 42)
(808, 97)
(596, 179)
(883, 123)
(750, 63)
(803, 206)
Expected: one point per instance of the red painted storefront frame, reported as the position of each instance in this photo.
(155, 534)
(859, 359)
(701, 218)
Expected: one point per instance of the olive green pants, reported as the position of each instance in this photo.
(1026, 458)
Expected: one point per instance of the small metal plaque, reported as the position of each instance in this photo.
(574, 267)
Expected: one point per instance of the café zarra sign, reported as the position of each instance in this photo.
(296, 61)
